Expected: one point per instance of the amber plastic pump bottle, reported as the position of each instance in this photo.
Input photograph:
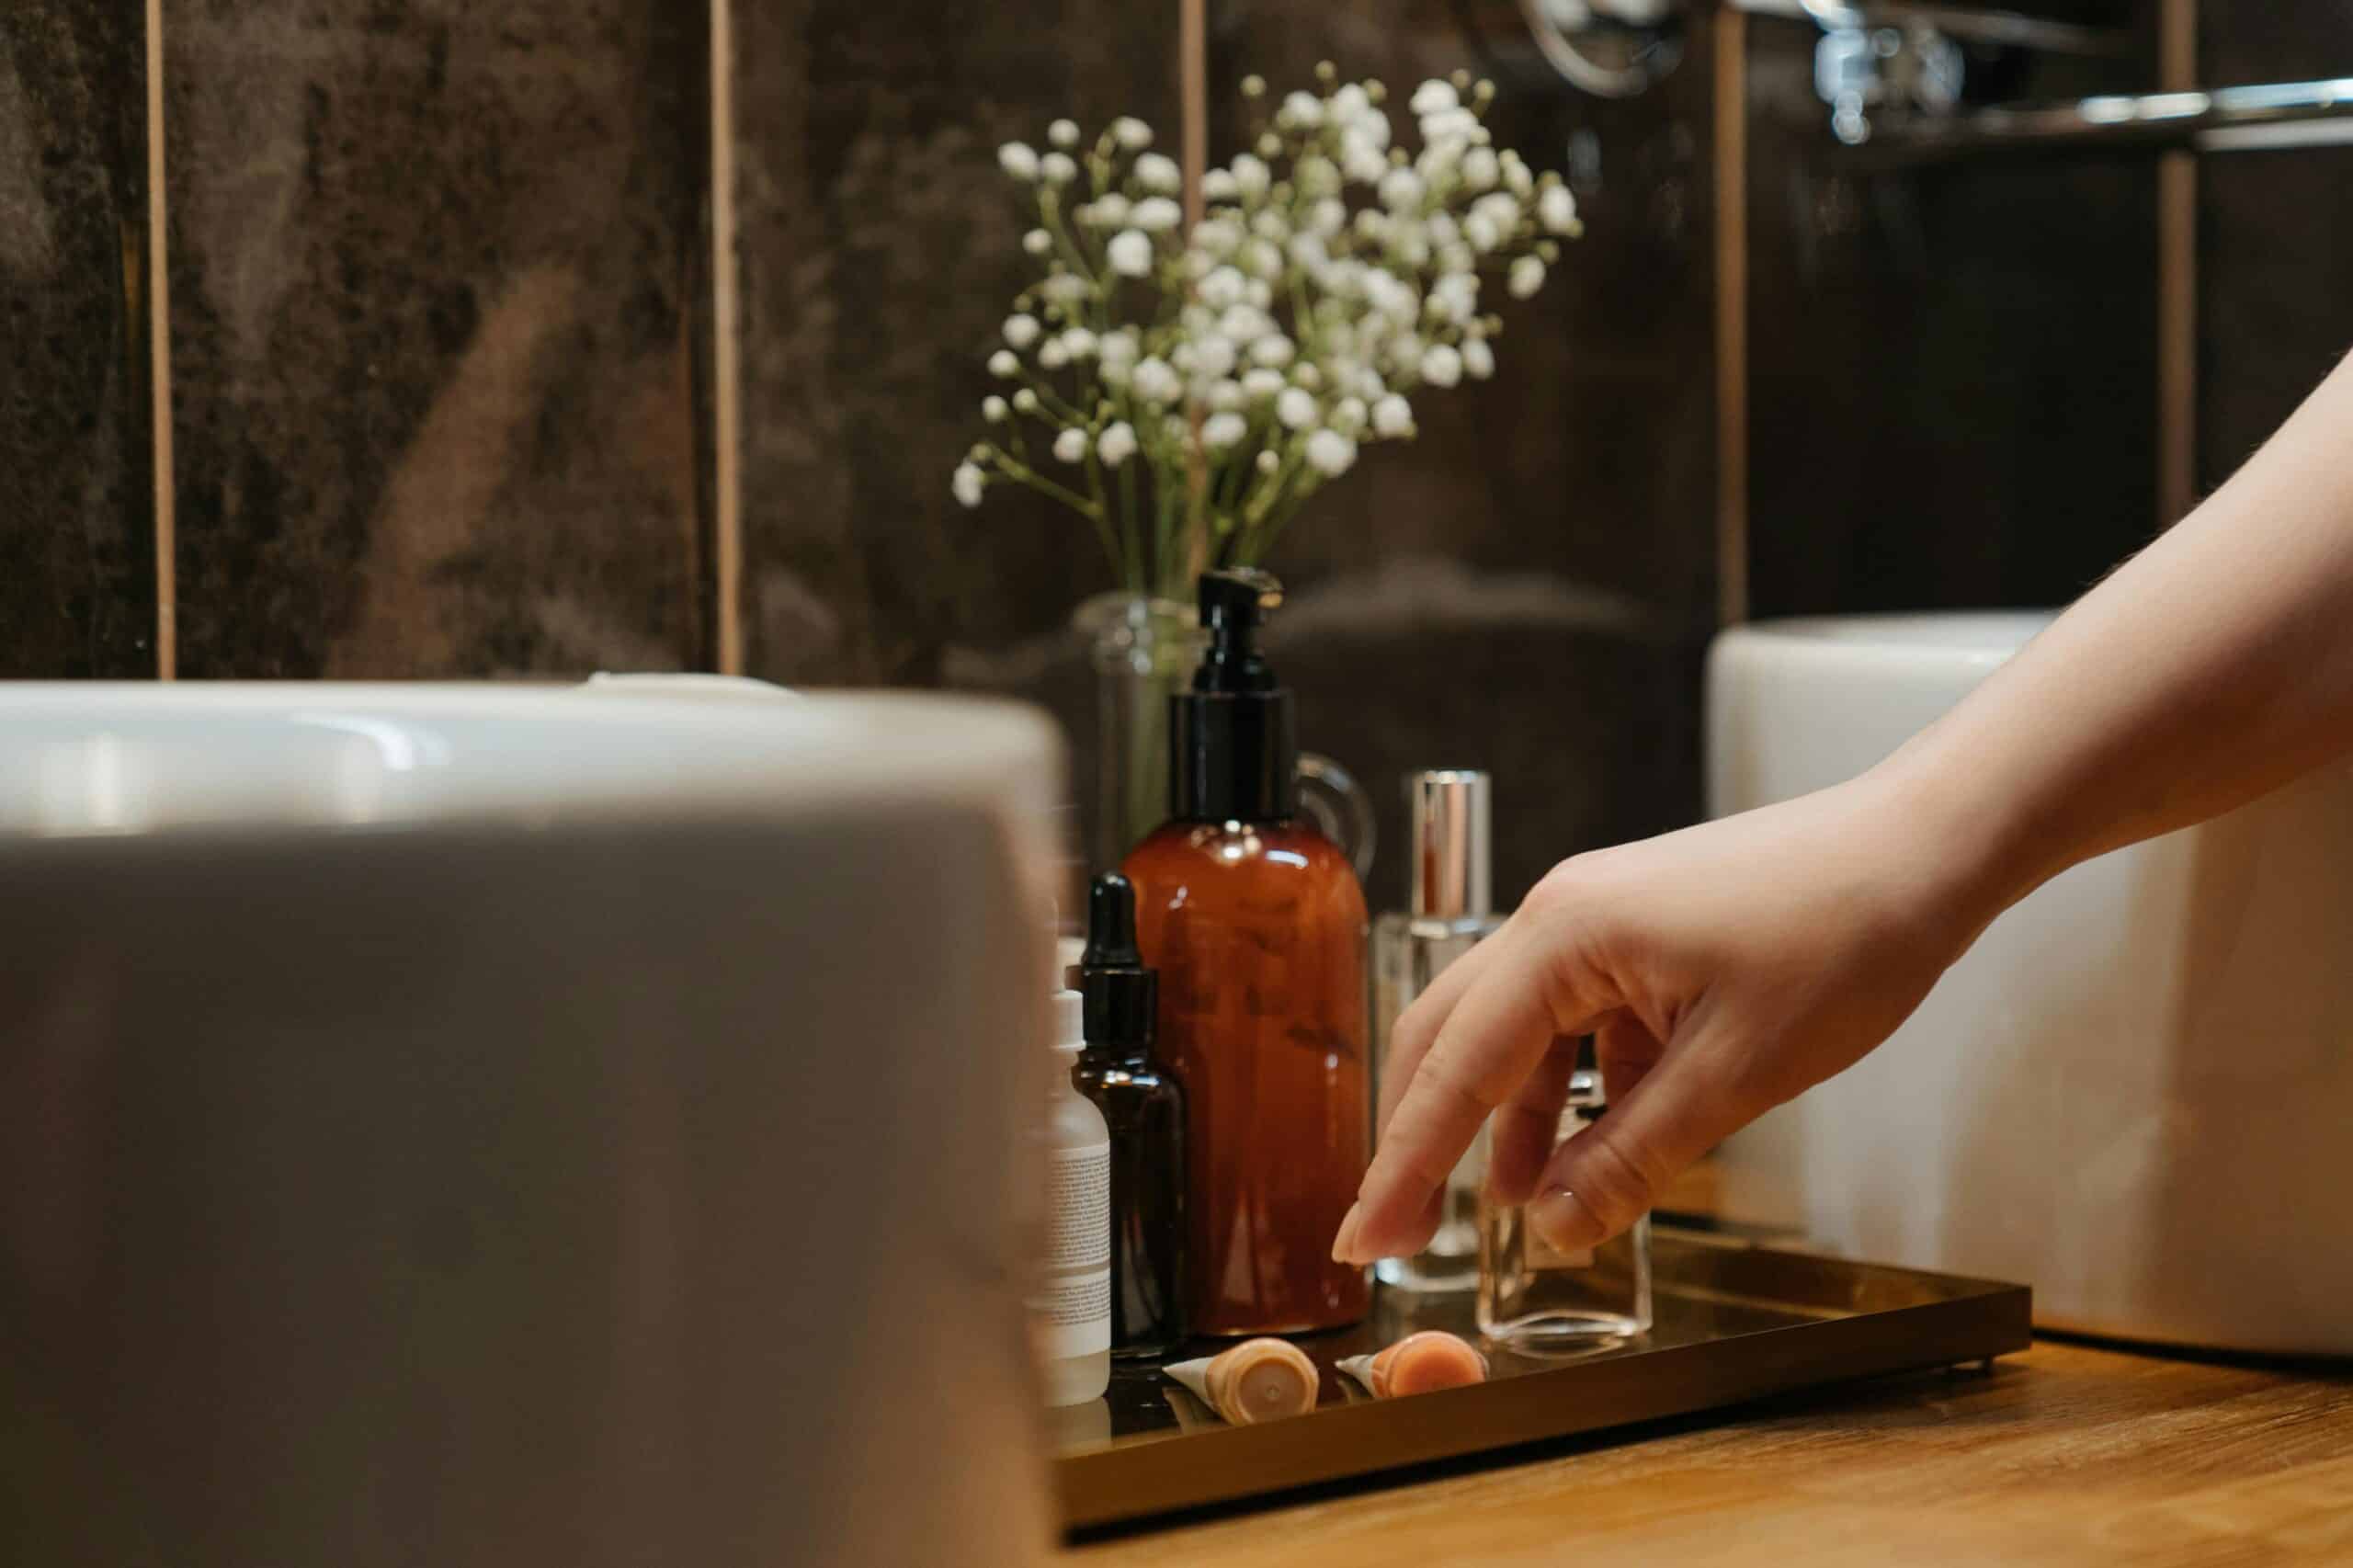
(1256, 924)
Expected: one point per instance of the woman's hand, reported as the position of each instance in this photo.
(1722, 969)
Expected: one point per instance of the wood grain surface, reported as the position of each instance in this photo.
(2068, 1454)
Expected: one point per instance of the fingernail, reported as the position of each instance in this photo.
(1348, 1234)
(1561, 1217)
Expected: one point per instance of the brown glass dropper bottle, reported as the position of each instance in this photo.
(1145, 1110)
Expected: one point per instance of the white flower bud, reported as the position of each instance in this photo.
(1328, 217)
(1109, 210)
(1360, 160)
(1021, 331)
(1258, 292)
(1222, 289)
(1330, 453)
(1479, 230)
(1026, 401)
(1079, 343)
(1158, 173)
(1307, 375)
(1557, 209)
(1212, 357)
(1412, 245)
(1305, 110)
(1065, 288)
(1130, 253)
(1058, 169)
(1117, 443)
(1458, 258)
(1405, 352)
(1402, 190)
(1274, 351)
(1062, 133)
(1117, 347)
(1037, 241)
(1527, 277)
(1435, 97)
(1296, 408)
(1517, 179)
(1372, 227)
(1271, 224)
(1480, 170)
(1455, 297)
(1502, 208)
(1217, 236)
(1348, 416)
(1224, 395)
(1454, 130)
(1442, 366)
(1392, 416)
(1270, 145)
(1156, 215)
(1245, 324)
(1131, 133)
(1316, 176)
(1218, 184)
(1071, 446)
(1478, 359)
(1004, 366)
(1266, 462)
(994, 409)
(1251, 178)
(1261, 259)
(1052, 354)
(1348, 102)
(1261, 384)
(1155, 382)
(1219, 431)
(968, 484)
(1019, 159)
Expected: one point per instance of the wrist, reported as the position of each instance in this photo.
(1967, 856)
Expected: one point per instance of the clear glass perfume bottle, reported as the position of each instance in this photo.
(1534, 1297)
(1449, 911)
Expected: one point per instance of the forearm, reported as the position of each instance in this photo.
(2211, 668)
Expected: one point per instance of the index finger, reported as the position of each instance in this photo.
(1495, 1036)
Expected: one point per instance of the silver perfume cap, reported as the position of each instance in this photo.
(1451, 838)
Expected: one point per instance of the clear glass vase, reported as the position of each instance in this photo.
(1141, 648)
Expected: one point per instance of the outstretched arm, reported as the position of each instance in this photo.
(1729, 967)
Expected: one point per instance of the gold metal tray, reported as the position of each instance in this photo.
(1734, 1322)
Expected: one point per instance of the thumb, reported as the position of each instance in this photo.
(1602, 1180)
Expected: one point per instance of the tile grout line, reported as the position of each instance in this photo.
(159, 366)
(1731, 316)
(727, 521)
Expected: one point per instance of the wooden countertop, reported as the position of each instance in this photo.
(2068, 1454)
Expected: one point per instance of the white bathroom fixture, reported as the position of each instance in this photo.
(2135, 1093)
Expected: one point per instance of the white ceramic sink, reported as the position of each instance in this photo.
(515, 1127)
(2135, 1092)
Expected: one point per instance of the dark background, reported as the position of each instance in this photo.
(439, 336)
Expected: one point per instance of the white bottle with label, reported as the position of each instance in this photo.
(1069, 1309)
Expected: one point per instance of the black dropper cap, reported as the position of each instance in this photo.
(1234, 738)
(1122, 997)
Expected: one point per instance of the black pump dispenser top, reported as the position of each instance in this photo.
(1233, 749)
(1121, 998)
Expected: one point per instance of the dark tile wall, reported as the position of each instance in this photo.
(1953, 374)
(78, 538)
(431, 271)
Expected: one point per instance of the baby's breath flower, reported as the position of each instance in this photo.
(1218, 184)
(1158, 173)
(1270, 145)
(1019, 159)
(1212, 357)
(1307, 375)
(1317, 176)
(1065, 288)
(1245, 324)
(1501, 207)
(968, 482)
(1062, 133)
(1517, 179)
(1557, 209)
(1155, 382)
(1435, 97)
(1266, 462)
(1330, 453)
(1455, 130)
(1026, 401)
(1271, 223)
(1070, 445)
(1261, 259)
(1274, 351)
(994, 409)
(1117, 347)
(1258, 292)
(1480, 170)
(1219, 431)
(1037, 241)
(1079, 343)
(1130, 253)
(1131, 133)
(1442, 366)
(1253, 86)
(1411, 241)
(1109, 210)
(1455, 297)
(1261, 384)
(1021, 331)
(1457, 258)
(1372, 227)
(1478, 359)
(1222, 288)
(1296, 408)
(1300, 110)
(1058, 169)
(1004, 366)
(1392, 416)
(1117, 443)
(1527, 277)
(1052, 355)
(1348, 416)
(1156, 215)
(1402, 190)
(1251, 178)
(1226, 394)
(1217, 236)
(1360, 160)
